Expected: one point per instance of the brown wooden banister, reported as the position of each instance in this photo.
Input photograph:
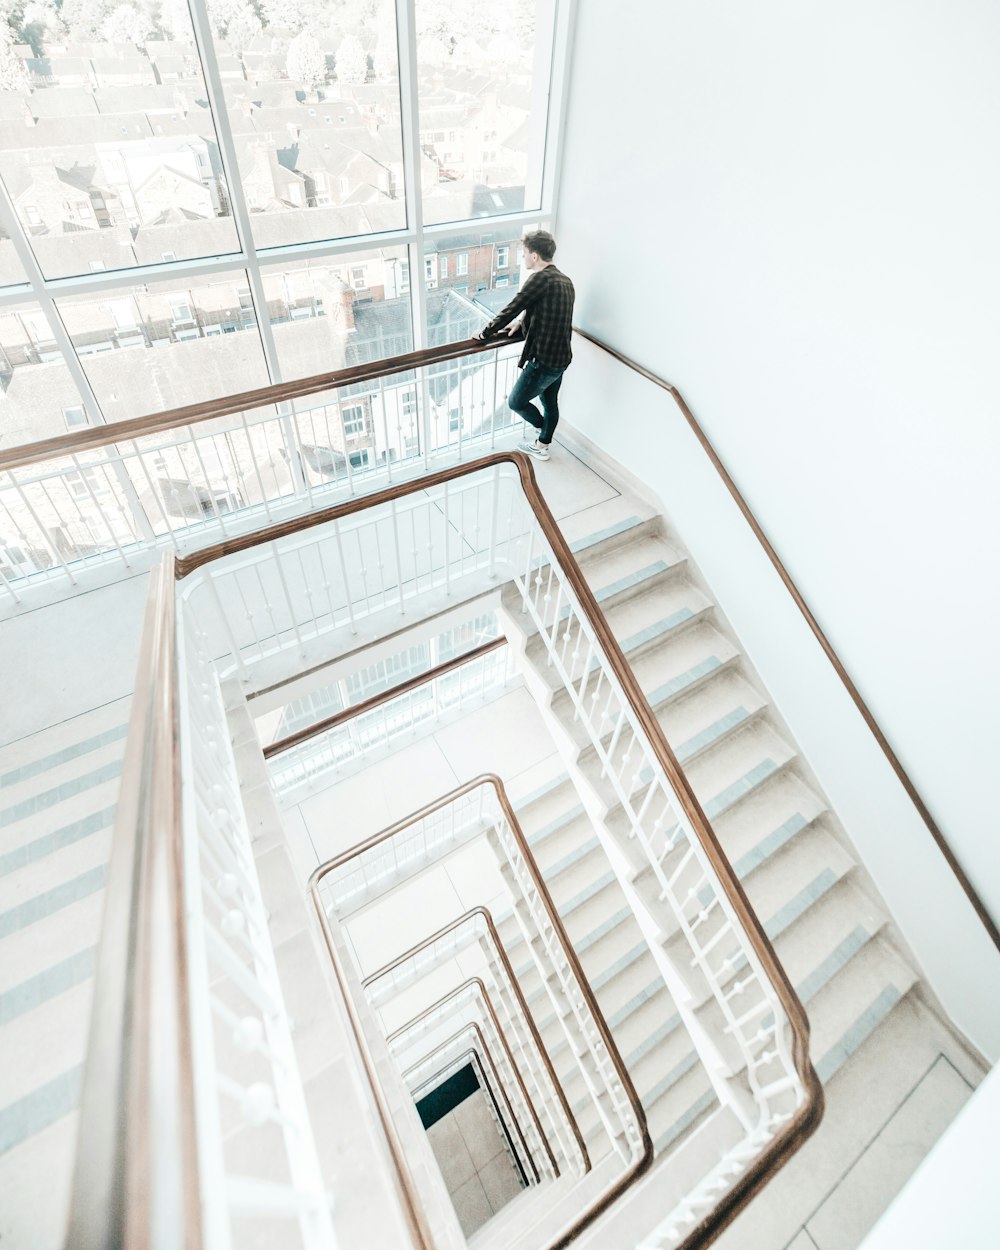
(866, 713)
(229, 405)
(384, 696)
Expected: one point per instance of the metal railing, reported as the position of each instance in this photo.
(511, 535)
(528, 1123)
(352, 734)
(190, 1046)
(477, 927)
(105, 496)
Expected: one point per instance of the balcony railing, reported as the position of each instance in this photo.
(108, 496)
(339, 574)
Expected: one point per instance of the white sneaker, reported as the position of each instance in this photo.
(539, 450)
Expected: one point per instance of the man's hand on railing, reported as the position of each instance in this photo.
(513, 330)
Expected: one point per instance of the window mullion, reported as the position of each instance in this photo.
(11, 224)
(406, 36)
(230, 165)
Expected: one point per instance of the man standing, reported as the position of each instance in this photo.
(546, 301)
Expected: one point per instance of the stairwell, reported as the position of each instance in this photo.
(882, 1049)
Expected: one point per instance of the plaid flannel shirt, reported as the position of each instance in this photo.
(546, 300)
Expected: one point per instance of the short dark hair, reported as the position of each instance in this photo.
(541, 243)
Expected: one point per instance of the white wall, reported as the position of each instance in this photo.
(790, 212)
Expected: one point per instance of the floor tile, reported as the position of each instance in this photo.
(479, 1129)
(363, 804)
(844, 1219)
(507, 737)
(500, 1181)
(471, 1205)
(451, 1152)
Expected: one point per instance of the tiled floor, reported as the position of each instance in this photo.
(474, 1162)
(861, 1196)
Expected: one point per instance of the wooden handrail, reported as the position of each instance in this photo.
(230, 405)
(135, 1180)
(501, 954)
(613, 1192)
(384, 696)
(798, 598)
(478, 983)
(474, 1027)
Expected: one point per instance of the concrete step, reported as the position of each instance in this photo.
(70, 738)
(19, 888)
(39, 825)
(722, 706)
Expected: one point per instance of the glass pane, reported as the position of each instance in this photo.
(11, 270)
(40, 399)
(313, 100)
(166, 344)
(331, 314)
(109, 150)
(470, 277)
(482, 108)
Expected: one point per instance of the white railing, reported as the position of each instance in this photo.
(246, 1076)
(359, 737)
(474, 810)
(469, 1042)
(206, 479)
(515, 1018)
(563, 988)
(442, 1015)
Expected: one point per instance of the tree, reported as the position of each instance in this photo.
(431, 52)
(83, 18)
(306, 61)
(244, 27)
(126, 24)
(351, 62)
(39, 22)
(13, 73)
(175, 21)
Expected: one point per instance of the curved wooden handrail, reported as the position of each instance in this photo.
(477, 1060)
(805, 1120)
(838, 665)
(501, 954)
(229, 405)
(477, 983)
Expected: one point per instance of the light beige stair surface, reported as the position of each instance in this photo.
(58, 792)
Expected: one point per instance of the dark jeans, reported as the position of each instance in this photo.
(537, 380)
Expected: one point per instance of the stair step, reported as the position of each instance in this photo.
(49, 844)
(51, 981)
(38, 1169)
(19, 785)
(683, 665)
(44, 876)
(721, 707)
(23, 835)
(36, 752)
(854, 1002)
(40, 1044)
(64, 932)
(628, 530)
(738, 768)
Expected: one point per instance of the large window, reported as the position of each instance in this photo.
(199, 200)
